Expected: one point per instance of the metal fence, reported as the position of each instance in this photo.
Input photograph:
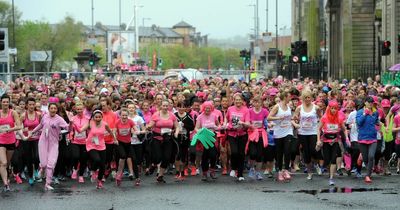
(360, 70)
(157, 75)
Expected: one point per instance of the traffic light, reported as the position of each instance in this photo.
(2, 40)
(303, 52)
(248, 55)
(386, 48)
(159, 61)
(92, 59)
(243, 53)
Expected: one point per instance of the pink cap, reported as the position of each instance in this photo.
(385, 103)
(54, 100)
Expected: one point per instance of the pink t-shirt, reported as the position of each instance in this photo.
(396, 122)
(147, 117)
(124, 130)
(234, 116)
(219, 116)
(162, 126)
(7, 123)
(79, 122)
(257, 119)
(95, 138)
(207, 121)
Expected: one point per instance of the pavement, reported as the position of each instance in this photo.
(223, 193)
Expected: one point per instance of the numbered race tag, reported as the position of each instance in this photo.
(135, 139)
(378, 135)
(46, 132)
(4, 128)
(81, 135)
(166, 131)
(284, 124)
(306, 125)
(124, 131)
(257, 124)
(95, 140)
(332, 127)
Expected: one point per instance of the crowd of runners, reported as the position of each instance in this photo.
(108, 128)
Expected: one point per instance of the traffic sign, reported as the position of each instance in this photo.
(41, 56)
(295, 59)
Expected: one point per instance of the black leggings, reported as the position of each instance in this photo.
(30, 155)
(63, 161)
(208, 159)
(294, 148)
(256, 150)
(355, 153)
(238, 147)
(79, 156)
(162, 151)
(137, 159)
(308, 143)
(183, 151)
(330, 152)
(110, 154)
(283, 152)
(98, 161)
(389, 149)
(125, 150)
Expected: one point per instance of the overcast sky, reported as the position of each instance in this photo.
(218, 18)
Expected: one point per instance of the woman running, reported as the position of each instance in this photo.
(256, 146)
(283, 133)
(330, 126)
(163, 123)
(79, 154)
(30, 119)
(96, 146)
(367, 119)
(307, 116)
(50, 125)
(237, 119)
(207, 119)
(9, 122)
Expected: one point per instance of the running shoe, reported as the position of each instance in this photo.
(118, 179)
(318, 169)
(280, 176)
(270, 174)
(392, 160)
(193, 171)
(367, 180)
(114, 174)
(81, 179)
(18, 179)
(197, 171)
(130, 177)
(186, 172)
(286, 175)
(339, 171)
(56, 180)
(305, 170)
(74, 174)
(233, 173)
(31, 181)
(241, 179)
(252, 173)
(204, 178)
(212, 174)
(99, 184)
(354, 170)
(224, 171)
(6, 188)
(160, 179)
(331, 182)
(137, 182)
(47, 187)
(259, 176)
(309, 176)
(94, 176)
(398, 171)
(62, 178)
(359, 175)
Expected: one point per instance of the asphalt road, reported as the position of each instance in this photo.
(224, 193)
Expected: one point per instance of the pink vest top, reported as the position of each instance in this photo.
(31, 124)
(7, 123)
(95, 139)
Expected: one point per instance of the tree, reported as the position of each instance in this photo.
(6, 17)
(62, 39)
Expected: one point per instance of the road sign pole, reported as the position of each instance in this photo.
(34, 69)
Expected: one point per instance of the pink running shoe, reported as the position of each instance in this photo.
(99, 184)
(81, 179)
(18, 179)
(74, 174)
(286, 175)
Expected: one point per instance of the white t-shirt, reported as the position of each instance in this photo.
(138, 122)
(351, 120)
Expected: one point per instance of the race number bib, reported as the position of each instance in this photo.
(257, 124)
(332, 127)
(306, 125)
(166, 131)
(4, 128)
(124, 131)
(95, 140)
(46, 132)
(81, 135)
(285, 124)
